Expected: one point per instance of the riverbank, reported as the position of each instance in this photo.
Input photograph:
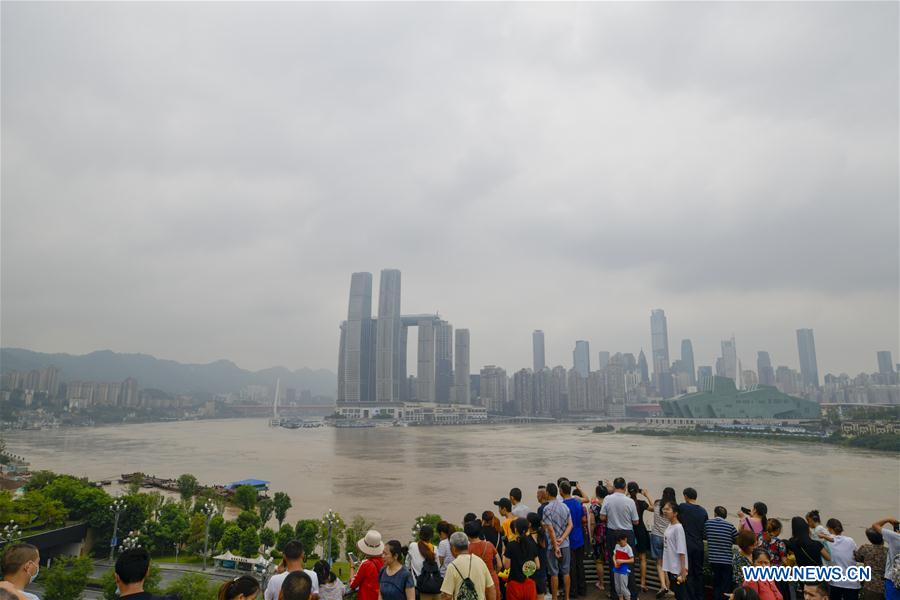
(883, 442)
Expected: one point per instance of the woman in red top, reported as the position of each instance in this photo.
(364, 578)
(767, 590)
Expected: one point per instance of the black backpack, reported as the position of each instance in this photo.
(430, 580)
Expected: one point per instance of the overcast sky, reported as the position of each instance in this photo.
(198, 181)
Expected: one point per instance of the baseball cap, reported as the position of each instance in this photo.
(503, 503)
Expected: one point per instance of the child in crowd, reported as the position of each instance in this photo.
(622, 559)
(330, 587)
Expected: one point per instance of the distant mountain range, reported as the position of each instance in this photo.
(221, 376)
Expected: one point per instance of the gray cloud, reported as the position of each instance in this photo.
(198, 180)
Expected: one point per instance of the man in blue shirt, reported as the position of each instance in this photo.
(576, 538)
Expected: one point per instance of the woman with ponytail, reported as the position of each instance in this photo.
(756, 520)
(239, 588)
(521, 558)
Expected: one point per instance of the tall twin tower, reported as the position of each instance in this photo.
(372, 358)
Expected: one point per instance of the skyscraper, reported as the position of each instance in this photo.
(764, 368)
(602, 359)
(885, 362)
(730, 361)
(443, 367)
(357, 337)
(809, 369)
(581, 358)
(537, 350)
(493, 389)
(687, 360)
(523, 393)
(461, 384)
(387, 350)
(642, 367)
(425, 373)
(703, 373)
(659, 337)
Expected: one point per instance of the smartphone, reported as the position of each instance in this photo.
(352, 558)
(745, 510)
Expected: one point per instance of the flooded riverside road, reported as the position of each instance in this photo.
(390, 475)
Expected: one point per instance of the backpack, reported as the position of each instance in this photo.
(430, 580)
(467, 587)
(894, 575)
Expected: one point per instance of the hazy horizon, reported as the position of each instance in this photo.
(198, 181)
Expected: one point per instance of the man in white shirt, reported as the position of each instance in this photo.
(842, 548)
(519, 510)
(620, 513)
(294, 556)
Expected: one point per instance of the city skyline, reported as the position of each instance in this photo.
(563, 167)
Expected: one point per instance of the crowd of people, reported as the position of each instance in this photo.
(524, 554)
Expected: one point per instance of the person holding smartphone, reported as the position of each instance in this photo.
(364, 576)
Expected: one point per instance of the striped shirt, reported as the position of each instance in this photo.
(720, 536)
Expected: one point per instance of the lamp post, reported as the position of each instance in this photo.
(329, 521)
(10, 532)
(118, 506)
(209, 510)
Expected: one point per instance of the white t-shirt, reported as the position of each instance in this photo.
(520, 510)
(274, 587)
(892, 541)
(842, 549)
(443, 550)
(675, 543)
(414, 559)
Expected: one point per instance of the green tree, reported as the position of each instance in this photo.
(67, 578)
(39, 480)
(187, 486)
(82, 500)
(356, 531)
(231, 537)
(429, 519)
(249, 543)
(265, 508)
(192, 586)
(285, 535)
(306, 531)
(134, 486)
(338, 528)
(248, 520)
(267, 537)
(216, 528)
(172, 527)
(245, 496)
(282, 503)
(197, 531)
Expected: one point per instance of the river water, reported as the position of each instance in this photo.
(393, 474)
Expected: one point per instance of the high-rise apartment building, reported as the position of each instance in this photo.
(493, 389)
(523, 393)
(581, 358)
(764, 368)
(687, 361)
(885, 362)
(443, 366)
(461, 382)
(602, 360)
(425, 373)
(659, 337)
(537, 350)
(542, 386)
(559, 391)
(388, 375)
(809, 369)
